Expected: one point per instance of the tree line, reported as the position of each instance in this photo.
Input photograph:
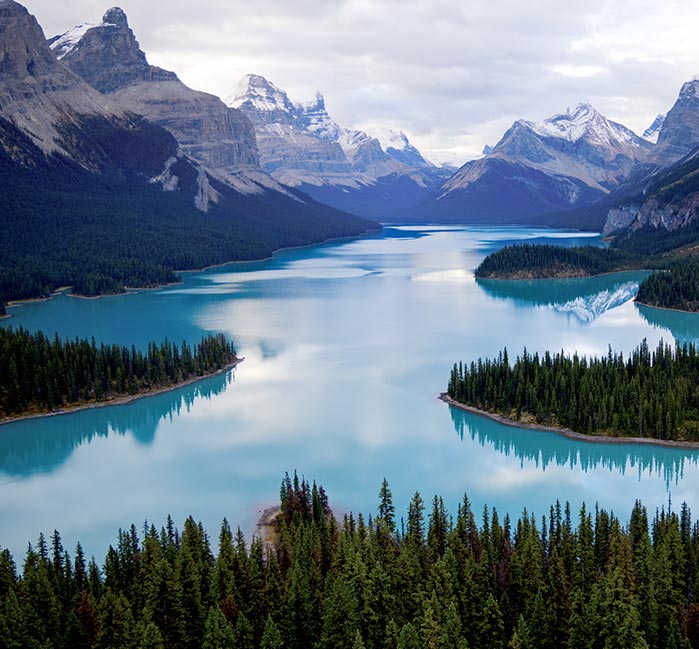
(649, 394)
(429, 580)
(39, 374)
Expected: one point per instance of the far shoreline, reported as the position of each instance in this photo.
(133, 290)
(567, 432)
(121, 401)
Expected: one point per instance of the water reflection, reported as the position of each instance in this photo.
(26, 448)
(583, 298)
(683, 326)
(545, 449)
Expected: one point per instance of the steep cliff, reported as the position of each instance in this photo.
(108, 56)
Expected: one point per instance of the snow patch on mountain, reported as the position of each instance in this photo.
(583, 121)
(256, 93)
(652, 132)
(65, 43)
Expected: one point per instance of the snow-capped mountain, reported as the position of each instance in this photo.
(302, 146)
(101, 195)
(108, 56)
(652, 132)
(570, 160)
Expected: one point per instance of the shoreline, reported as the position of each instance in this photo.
(588, 276)
(567, 432)
(279, 250)
(664, 308)
(120, 401)
(132, 290)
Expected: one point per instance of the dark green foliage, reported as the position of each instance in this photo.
(539, 261)
(678, 288)
(521, 586)
(650, 394)
(38, 374)
(62, 225)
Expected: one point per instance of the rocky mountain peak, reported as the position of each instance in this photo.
(690, 90)
(679, 133)
(116, 16)
(107, 55)
(262, 101)
(37, 92)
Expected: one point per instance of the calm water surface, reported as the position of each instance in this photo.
(347, 346)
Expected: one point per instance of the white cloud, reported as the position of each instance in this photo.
(452, 75)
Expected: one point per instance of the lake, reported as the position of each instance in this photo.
(347, 346)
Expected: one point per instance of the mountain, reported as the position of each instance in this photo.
(97, 196)
(108, 56)
(679, 133)
(663, 212)
(538, 170)
(302, 146)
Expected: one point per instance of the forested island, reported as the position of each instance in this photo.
(651, 394)
(40, 375)
(432, 580)
(677, 288)
(538, 261)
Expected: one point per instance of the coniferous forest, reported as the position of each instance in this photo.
(523, 261)
(649, 394)
(586, 581)
(678, 288)
(38, 374)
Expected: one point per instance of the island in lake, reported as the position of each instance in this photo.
(650, 395)
(43, 376)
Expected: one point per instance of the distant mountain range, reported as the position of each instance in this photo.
(98, 196)
(302, 146)
(104, 154)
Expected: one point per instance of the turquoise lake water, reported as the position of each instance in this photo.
(347, 347)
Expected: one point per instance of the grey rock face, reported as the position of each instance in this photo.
(619, 219)
(36, 92)
(108, 55)
(679, 133)
(300, 144)
(109, 58)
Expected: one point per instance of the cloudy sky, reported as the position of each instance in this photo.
(452, 74)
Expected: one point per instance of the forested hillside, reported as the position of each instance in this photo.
(474, 580)
(63, 225)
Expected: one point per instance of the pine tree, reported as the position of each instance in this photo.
(271, 637)
(218, 634)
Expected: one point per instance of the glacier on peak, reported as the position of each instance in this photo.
(64, 43)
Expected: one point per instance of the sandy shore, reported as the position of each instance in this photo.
(120, 401)
(566, 432)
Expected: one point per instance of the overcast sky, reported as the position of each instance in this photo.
(452, 74)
